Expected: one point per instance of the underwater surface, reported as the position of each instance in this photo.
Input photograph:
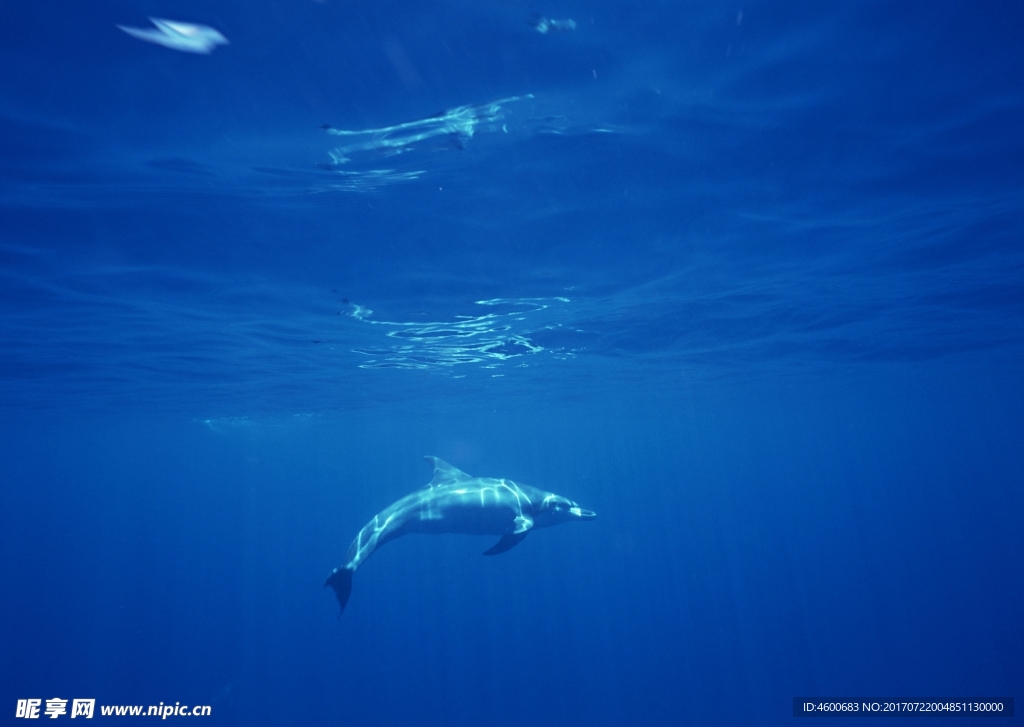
(745, 279)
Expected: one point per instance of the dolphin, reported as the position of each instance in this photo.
(455, 502)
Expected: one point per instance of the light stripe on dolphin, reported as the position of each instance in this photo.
(455, 502)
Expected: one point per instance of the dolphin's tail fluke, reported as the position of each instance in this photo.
(341, 581)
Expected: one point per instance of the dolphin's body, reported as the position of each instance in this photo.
(455, 502)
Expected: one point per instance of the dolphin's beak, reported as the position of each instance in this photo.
(583, 514)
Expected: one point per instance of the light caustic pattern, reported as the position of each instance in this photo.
(432, 504)
(493, 494)
(356, 162)
(449, 130)
(490, 339)
(367, 539)
(454, 127)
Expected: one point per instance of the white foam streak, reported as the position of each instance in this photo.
(176, 35)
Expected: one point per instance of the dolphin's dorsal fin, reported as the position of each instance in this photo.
(444, 473)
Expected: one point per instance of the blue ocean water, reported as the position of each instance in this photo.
(746, 279)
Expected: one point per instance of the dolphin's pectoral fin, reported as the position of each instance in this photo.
(445, 473)
(507, 542)
(341, 581)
